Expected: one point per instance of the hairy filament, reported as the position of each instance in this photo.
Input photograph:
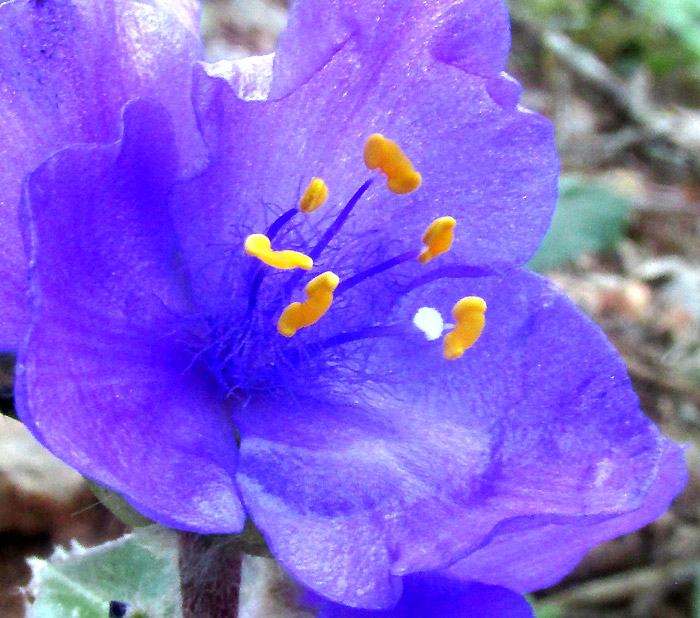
(280, 222)
(340, 220)
(375, 270)
(272, 231)
(332, 230)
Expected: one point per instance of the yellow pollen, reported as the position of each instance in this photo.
(258, 245)
(438, 238)
(469, 313)
(299, 315)
(383, 154)
(314, 197)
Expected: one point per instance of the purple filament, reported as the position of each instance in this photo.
(344, 286)
(272, 231)
(328, 235)
(280, 222)
(298, 356)
(340, 220)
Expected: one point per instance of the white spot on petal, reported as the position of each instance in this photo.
(430, 322)
(603, 471)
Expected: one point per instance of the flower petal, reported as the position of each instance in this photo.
(105, 380)
(473, 35)
(397, 460)
(66, 70)
(533, 559)
(432, 596)
(484, 160)
(188, 12)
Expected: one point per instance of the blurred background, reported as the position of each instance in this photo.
(620, 80)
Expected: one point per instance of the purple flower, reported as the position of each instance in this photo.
(66, 70)
(156, 362)
(431, 596)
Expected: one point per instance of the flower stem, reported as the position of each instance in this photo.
(210, 575)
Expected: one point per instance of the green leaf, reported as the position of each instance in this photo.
(589, 217)
(682, 17)
(543, 609)
(547, 611)
(139, 569)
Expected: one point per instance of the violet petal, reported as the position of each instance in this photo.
(107, 379)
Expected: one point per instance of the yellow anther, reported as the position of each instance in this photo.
(298, 315)
(258, 245)
(469, 313)
(314, 197)
(383, 154)
(438, 238)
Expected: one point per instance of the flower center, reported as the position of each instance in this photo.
(386, 156)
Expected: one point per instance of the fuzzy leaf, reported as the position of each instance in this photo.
(589, 217)
(139, 569)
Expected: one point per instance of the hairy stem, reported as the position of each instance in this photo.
(210, 575)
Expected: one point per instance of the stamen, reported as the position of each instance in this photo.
(314, 197)
(332, 230)
(272, 231)
(302, 354)
(258, 245)
(438, 238)
(346, 284)
(469, 313)
(383, 154)
(280, 222)
(299, 315)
